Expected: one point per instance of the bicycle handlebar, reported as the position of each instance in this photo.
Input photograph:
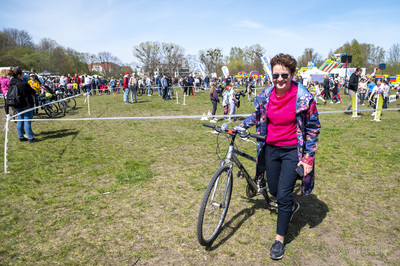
(233, 131)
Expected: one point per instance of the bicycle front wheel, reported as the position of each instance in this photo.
(214, 206)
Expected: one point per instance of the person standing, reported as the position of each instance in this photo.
(326, 86)
(35, 84)
(148, 85)
(190, 81)
(353, 87)
(206, 82)
(214, 100)
(158, 83)
(164, 87)
(371, 86)
(287, 115)
(232, 102)
(28, 94)
(133, 87)
(125, 85)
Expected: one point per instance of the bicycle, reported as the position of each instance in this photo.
(215, 203)
(50, 109)
(143, 91)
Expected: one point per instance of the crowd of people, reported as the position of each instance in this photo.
(366, 89)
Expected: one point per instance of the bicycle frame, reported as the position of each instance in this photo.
(232, 158)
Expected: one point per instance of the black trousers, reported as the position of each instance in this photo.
(281, 164)
(165, 91)
(214, 103)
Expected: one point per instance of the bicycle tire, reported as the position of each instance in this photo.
(63, 107)
(151, 91)
(48, 110)
(139, 92)
(72, 103)
(220, 185)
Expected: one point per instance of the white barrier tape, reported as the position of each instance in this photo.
(37, 107)
(181, 117)
(5, 143)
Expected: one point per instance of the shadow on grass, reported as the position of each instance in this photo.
(238, 220)
(312, 212)
(57, 134)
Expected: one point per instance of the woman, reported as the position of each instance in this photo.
(125, 85)
(214, 100)
(28, 93)
(288, 117)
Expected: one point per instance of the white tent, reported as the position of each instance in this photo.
(313, 74)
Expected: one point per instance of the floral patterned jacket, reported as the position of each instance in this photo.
(307, 123)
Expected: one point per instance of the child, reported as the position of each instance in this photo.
(70, 88)
(225, 100)
(318, 93)
(377, 90)
(74, 87)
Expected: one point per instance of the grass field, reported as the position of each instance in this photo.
(120, 192)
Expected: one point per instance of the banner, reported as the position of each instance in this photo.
(265, 61)
(202, 70)
(379, 104)
(225, 70)
(354, 104)
(392, 98)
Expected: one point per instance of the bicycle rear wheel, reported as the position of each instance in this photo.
(139, 92)
(214, 206)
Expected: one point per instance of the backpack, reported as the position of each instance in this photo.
(15, 98)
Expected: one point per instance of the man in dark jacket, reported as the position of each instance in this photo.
(353, 87)
(326, 86)
(190, 83)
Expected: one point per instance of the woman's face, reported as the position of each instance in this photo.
(281, 83)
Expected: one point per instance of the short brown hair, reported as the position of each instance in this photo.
(285, 60)
(15, 72)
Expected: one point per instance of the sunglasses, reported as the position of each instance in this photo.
(283, 75)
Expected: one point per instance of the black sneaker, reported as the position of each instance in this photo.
(23, 139)
(277, 250)
(296, 207)
(33, 140)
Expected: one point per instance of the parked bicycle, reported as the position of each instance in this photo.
(143, 90)
(62, 93)
(50, 108)
(215, 204)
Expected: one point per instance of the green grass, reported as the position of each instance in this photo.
(121, 191)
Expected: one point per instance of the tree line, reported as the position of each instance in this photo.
(18, 49)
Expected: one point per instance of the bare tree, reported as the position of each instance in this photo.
(6, 41)
(307, 56)
(210, 58)
(172, 56)
(21, 37)
(148, 53)
(47, 44)
(108, 62)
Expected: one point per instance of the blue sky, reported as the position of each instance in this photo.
(288, 26)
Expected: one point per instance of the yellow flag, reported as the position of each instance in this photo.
(379, 104)
(354, 104)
